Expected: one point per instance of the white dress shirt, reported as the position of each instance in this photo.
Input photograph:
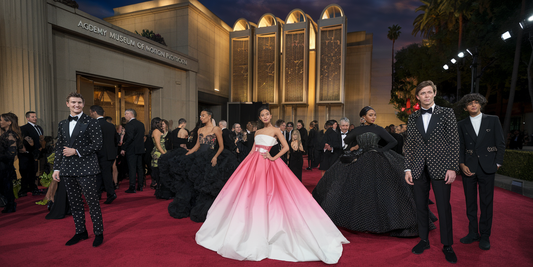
(476, 123)
(343, 135)
(427, 117)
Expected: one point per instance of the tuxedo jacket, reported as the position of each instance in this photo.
(438, 148)
(29, 130)
(486, 148)
(110, 140)
(229, 143)
(133, 142)
(86, 139)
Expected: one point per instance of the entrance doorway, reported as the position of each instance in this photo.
(115, 97)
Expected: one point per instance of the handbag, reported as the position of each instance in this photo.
(350, 156)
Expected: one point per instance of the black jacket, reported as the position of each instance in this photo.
(134, 138)
(86, 139)
(110, 140)
(487, 148)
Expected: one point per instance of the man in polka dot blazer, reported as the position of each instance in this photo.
(432, 157)
(76, 164)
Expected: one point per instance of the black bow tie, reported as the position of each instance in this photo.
(424, 111)
(70, 118)
(343, 133)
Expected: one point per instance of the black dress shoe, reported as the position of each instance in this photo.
(308, 168)
(470, 238)
(10, 208)
(130, 190)
(420, 247)
(77, 238)
(110, 199)
(449, 254)
(22, 194)
(484, 243)
(139, 188)
(98, 240)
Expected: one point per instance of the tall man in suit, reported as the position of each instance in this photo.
(482, 146)
(106, 155)
(33, 143)
(432, 157)
(229, 143)
(79, 138)
(288, 132)
(133, 149)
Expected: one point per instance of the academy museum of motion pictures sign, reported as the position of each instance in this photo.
(117, 37)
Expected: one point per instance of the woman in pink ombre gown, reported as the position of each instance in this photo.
(264, 211)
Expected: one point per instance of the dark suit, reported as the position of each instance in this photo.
(79, 171)
(106, 156)
(133, 145)
(429, 155)
(481, 153)
(229, 143)
(311, 142)
(27, 161)
(333, 139)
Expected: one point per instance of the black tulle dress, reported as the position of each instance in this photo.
(192, 178)
(370, 194)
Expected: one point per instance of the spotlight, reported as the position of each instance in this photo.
(506, 35)
(521, 25)
(469, 52)
(453, 60)
(445, 67)
(461, 55)
(530, 18)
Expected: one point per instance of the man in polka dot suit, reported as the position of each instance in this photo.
(432, 157)
(76, 163)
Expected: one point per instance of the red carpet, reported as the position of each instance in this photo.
(139, 232)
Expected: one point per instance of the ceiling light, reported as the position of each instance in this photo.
(453, 60)
(445, 67)
(461, 55)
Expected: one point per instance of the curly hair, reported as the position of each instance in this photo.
(467, 99)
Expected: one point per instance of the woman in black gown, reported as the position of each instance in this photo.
(10, 143)
(197, 176)
(369, 194)
(295, 155)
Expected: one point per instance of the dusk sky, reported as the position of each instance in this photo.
(372, 16)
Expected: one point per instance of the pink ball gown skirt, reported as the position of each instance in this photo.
(264, 211)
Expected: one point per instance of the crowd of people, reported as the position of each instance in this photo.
(245, 184)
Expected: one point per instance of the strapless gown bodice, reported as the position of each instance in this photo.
(264, 142)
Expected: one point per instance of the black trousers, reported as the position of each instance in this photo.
(105, 177)
(486, 198)
(136, 169)
(442, 193)
(27, 168)
(310, 156)
(76, 185)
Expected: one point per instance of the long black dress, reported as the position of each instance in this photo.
(369, 194)
(296, 162)
(192, 178)
(8, 150)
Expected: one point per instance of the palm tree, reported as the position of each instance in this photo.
(393, 35)
(429, 21)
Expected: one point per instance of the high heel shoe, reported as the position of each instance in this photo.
(50, 205)
(42, 202)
